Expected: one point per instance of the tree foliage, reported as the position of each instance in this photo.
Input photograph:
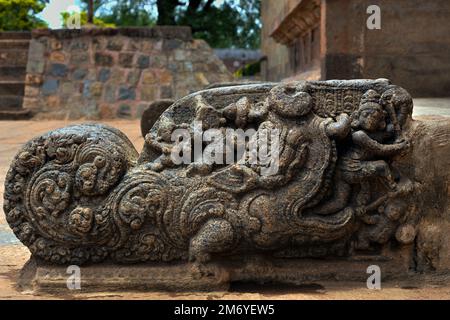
(222, 23)
(84, 20)
(21, 14)
(233, 23)
(123, 13)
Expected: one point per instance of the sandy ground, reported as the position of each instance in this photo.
(13, 254)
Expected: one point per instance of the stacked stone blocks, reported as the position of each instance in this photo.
(110, 73)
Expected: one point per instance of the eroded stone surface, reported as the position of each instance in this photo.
(355, 179)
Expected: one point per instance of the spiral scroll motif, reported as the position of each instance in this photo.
(54, 197)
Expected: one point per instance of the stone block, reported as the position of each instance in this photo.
(58, 70)
(115, 44)
(104, 59)
(126, 60)
(35, 66)
(78, 58)
(158, 61)
(31, 103)
(104, 75)
(98, 43)
(149, 93)
(79, 74)
(127, 93)
(166, 92)
(136, 45)
(124, 111)
(109, 94)
(158, 46)
(149, 77)
(91, 110)
(146, 46)
(96, 89)
(69, 88)
(143, 62)
(200, 76)
(79, 45)
(33, 79)
(50, 86)
(36, 50)
(87, 88)
(179, 55)
(173, 67)
(172, 44)
(44, 277)
(165, 77)
(57, 56)
(117, 76)
(188, 67)
(106, 111)
(133, 77)
(55, 44)
(53, 103)
(31, 91)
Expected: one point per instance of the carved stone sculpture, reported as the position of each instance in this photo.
(345, 184)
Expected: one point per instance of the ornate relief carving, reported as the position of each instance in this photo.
(79, 194)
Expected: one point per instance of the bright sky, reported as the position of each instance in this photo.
(52, 12)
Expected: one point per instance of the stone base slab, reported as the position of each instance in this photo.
(39, 276)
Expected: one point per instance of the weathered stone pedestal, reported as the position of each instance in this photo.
(357, 183)
(37, 275)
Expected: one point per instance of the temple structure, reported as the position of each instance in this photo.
(330, 39)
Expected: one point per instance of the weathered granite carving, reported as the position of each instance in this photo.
(83, 194)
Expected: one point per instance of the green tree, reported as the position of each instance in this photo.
(223, 24)
(21, 14)
(84, 20)
(122, 13)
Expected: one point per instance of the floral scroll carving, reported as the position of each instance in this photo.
(83, 194)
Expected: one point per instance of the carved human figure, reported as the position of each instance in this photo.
(363, 159)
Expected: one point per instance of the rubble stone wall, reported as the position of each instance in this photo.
(115, 73)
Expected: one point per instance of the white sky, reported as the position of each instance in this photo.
(52, 12)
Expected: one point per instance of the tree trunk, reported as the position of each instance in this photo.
(166, 11)
(91, 11)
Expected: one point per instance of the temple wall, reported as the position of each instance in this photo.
(272, 13)
(114, 73)
(412, 48)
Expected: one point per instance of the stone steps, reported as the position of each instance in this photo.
(20, 114)
(14, 73)
(12, 88)
(14, 44)
(10, 57)
(13, 61)
(15, 35)
(11, 102)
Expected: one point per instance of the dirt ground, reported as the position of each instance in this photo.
(13, 255)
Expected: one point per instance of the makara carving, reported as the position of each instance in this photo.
(83, 194)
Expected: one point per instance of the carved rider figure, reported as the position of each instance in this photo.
(364, 157)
